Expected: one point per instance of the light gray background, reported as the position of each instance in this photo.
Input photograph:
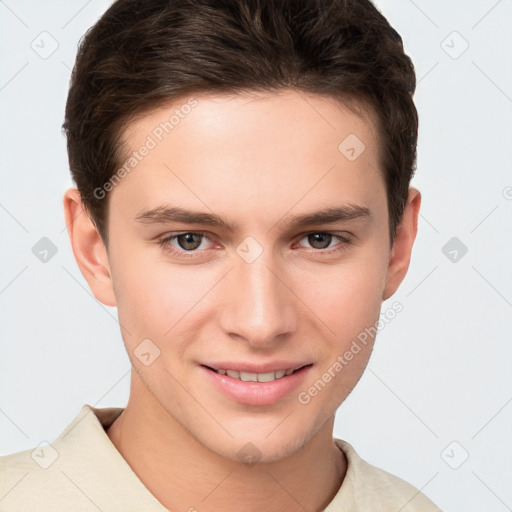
(438, 386)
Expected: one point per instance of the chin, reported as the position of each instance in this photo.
(261, 447)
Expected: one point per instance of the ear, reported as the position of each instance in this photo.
(402, 246)
(88, 248)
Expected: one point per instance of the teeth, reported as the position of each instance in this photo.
(256, 377)
(249, 377)
(266, 377)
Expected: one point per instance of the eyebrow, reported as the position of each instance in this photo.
(165, 214)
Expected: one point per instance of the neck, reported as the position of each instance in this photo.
(183, 474)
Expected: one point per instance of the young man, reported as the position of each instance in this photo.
(243, 199)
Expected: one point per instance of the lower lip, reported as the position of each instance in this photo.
(256, 393)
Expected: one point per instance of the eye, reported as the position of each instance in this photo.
(190, 243)
(322, 240)
(186, 242)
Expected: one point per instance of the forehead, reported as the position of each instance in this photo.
(257, 114)
(269, 148)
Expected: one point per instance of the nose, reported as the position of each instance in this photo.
(259, 307)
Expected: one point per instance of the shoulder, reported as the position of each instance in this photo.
(27, 474)
(61, 474)
(372, 488)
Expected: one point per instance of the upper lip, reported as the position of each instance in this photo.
(272, 366)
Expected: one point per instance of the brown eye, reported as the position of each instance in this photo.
(186, 244)
(323, 242)
(320, 240)
(189, 241)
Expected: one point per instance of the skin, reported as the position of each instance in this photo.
(255, 160)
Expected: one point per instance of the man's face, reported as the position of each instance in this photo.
(262, 294)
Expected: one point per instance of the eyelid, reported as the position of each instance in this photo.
(344, 237)
(165, 241)
(341, 234)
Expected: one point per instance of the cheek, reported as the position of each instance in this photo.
(150, 297)
(156, 299)
(349, 296)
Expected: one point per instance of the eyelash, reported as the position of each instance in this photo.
(165, 243)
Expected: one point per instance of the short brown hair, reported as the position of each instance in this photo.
(142, 54)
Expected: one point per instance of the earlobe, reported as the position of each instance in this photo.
(88, 248)
(402, 246)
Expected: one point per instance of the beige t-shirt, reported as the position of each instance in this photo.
(82, 471)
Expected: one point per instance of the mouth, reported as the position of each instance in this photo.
(257, 388)
(256, 377)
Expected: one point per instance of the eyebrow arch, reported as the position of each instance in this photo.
(329, 215)
(164, 214)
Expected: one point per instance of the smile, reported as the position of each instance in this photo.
(256, 377)
(257, 388)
